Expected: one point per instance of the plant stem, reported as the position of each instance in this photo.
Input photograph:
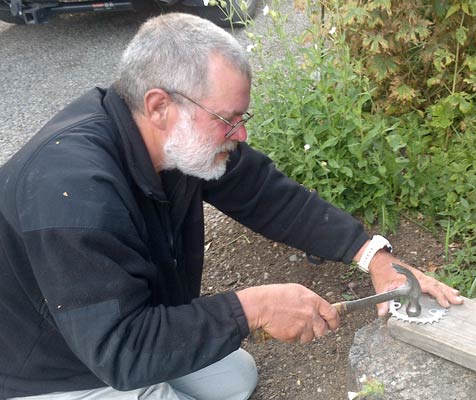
(447, 241)
(472, 290)
(414, 221)
(455, 74)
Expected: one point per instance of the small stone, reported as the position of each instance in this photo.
(266, 276)
(230, 281)
(293, 258)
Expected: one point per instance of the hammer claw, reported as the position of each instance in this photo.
(411, 289)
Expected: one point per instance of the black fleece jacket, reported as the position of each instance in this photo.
(101, 258)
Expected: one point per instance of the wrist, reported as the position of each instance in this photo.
(252, 304)
(370, 249)
(379, 259)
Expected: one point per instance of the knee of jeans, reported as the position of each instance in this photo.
(248, 373)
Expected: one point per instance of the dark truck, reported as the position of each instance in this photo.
(38, 11)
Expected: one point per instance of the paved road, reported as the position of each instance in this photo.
(43, 67)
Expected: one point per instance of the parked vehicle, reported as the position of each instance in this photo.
(38, 11)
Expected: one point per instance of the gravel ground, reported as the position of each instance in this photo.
(236, 258)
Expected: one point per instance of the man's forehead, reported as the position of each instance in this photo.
(229, 89)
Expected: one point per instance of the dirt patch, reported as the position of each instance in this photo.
(236, 258)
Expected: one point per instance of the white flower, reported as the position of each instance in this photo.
(307, 147)
(250, 48)
(266, 10)
(205, 2)
(324, 163)
(333, 30)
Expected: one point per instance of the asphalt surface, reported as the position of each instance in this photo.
(44, 67)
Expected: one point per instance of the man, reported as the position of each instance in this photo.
(101, 234)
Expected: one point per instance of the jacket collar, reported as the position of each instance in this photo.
(136, 154)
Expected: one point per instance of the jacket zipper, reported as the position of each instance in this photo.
(164, 215)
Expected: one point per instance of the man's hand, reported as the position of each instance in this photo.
(288, 312)
(385, 278)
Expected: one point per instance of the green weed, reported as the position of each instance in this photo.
(324, 120)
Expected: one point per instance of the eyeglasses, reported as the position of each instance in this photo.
(234, 127)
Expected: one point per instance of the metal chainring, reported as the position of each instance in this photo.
(431, 311)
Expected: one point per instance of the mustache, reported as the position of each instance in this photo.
(227, 147)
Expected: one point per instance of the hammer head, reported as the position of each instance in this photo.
(414, 291)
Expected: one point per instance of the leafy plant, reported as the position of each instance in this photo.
(375, 143)
(416, 52)
(372, 387)
(315, 129)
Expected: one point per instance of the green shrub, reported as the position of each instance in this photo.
(331, 122)
(417, 53)
(312, 124)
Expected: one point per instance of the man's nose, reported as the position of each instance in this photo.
(240, 135)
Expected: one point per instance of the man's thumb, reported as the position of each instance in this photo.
(382, 309)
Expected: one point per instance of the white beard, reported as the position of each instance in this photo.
(193, 152)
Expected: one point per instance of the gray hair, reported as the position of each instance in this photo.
(172, 52)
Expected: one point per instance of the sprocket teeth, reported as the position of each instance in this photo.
(431, 312)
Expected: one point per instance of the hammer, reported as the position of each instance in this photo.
(411, 289)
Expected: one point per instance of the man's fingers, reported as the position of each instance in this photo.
(299, 316)
(444, 294)
(320, 327)
(455, 297)
(330, 315)
(440, 295)
(382, 309)
(307, 336)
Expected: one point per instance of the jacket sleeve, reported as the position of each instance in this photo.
(93, 269)
(256, 194)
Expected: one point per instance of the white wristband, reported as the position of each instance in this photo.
(377, 243)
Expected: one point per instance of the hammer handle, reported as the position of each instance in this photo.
(261, 336)
(411, 289)
(346, 307)
(343, 308)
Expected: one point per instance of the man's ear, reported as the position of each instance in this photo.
(156, 107)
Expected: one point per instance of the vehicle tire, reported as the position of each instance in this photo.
(221, 17)
(6, 15)
(28, 6)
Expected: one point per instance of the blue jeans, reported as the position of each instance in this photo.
(232, 378)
